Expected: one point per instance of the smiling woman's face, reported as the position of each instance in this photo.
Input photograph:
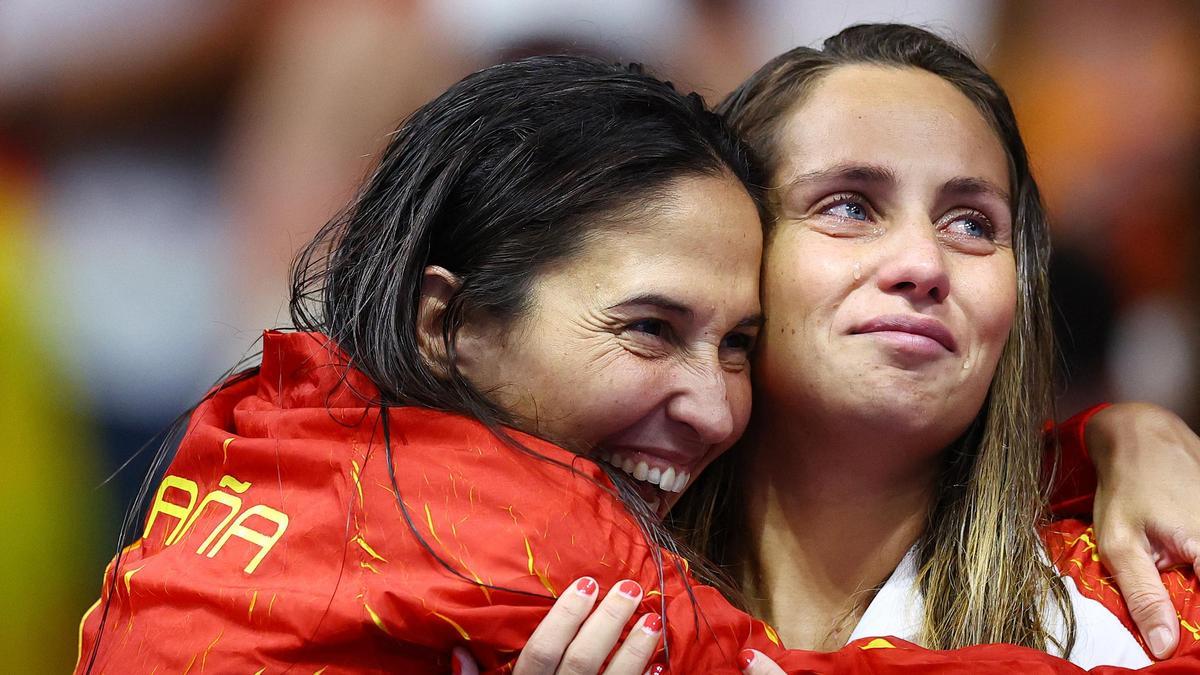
(889, 279)
(636, 349)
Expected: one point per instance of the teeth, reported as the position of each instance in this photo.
(641, 471)
(681, 482)
(654, 475)
(667, 480)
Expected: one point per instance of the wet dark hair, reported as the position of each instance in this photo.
(507, 172)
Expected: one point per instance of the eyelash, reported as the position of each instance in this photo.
(844, 198)
(747, 347)
(989, 230)
(665, 332)
(664, 328)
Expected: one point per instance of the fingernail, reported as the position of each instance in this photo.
(456, 667)
(630, 589)
(656, 669)
(652, 624)
(586, 586)
(746, 658)
(1160, 642)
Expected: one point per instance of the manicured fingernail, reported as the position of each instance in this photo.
(1160, 641)
(656, 669)
(746, 658)
(652, 624)
(630, 589)
(456, 667)
(586, 586)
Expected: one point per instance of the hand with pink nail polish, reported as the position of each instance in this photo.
(753, 662)
(574, 639)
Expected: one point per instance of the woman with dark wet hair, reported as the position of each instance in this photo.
(554, 270)
(555, 249)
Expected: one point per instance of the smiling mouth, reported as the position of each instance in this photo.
(653, 471)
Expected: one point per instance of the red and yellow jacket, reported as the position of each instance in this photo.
(278, 541)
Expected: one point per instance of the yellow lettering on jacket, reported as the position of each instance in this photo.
(186, 515)
(164, 507)
(264, 541)
(232, 503)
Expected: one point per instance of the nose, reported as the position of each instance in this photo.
(914, 265)
(702, 402)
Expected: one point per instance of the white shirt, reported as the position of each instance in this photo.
(1101, 639)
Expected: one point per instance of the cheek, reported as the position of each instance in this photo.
(605, 401)
(994, 310)
(740, 403)
(804, 283)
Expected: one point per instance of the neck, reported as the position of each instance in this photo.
(830, 516)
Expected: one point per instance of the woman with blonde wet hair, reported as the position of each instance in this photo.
(896, 165)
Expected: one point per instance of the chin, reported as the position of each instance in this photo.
(908, 408)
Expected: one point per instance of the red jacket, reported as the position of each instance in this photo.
(277, 542)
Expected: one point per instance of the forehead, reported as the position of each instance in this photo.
(904, 118)
(701, 241)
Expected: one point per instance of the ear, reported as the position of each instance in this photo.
(438, 286)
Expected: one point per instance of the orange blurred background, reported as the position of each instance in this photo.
(160, 161)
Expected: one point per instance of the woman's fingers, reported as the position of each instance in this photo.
(549, 642)
(1149, 604)
(638, 648)
(599, 634)
(754, 662)
(570, 642)
(1148, 462)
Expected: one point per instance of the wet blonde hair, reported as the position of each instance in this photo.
(982, 569)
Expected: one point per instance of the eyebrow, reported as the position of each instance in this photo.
(655, 300)
(873, 173)
(752, 321)
(862, 173)
(975, 186)
(666, 304)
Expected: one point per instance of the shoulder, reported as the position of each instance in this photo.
(472, 495)
(465, 536)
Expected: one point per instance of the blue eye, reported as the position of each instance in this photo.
(972, 226)
(848, 209)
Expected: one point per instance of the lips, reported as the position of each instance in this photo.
(910, 324)
(665, 475)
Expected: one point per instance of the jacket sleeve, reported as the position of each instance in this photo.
(480, 538)
(888, 655)
(1074, 485)
(1071, 544)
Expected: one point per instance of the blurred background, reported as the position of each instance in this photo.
(161, 160)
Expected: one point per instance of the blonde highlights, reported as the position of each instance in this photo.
(982, 569)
